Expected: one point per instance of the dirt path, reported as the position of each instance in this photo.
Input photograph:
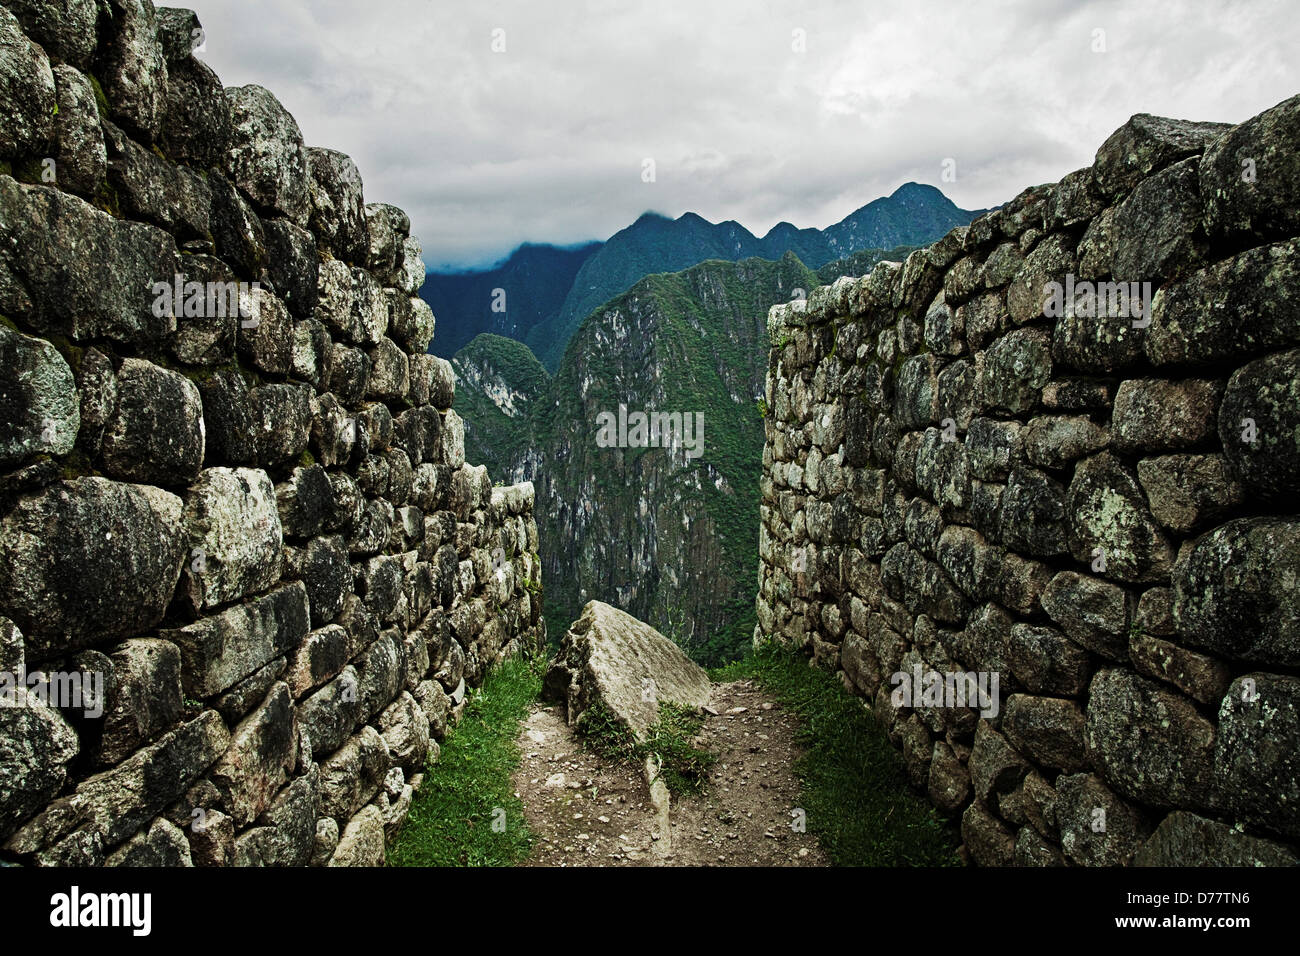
(586, 811)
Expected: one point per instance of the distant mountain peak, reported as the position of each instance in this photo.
(650, 216)
(546, 317)
(917, 189)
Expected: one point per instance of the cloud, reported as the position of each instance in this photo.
(754, 110)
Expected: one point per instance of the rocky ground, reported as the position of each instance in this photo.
(587, 811)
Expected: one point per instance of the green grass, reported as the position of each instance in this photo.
(683, 767)
(853, 782)
(466, 791)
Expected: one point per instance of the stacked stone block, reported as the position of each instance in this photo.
(258, 525)
(1100, 508)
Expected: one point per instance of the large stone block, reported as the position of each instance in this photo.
(156, 434)
(1160, 415)
(1159, 222)
(109, 807)
(262, 754)
(1256, 770)
(405, 729)
(1094, 614)
(1234, 591)
(1050, 261)
(323, 567)
(1185, 839)
(1238, 307)
(218, 651)
(265, 157)
(362, 840)
(131, 66)
(89, 560)
(1259, 425)
(293, 265)
(1033, 515)
(1016, 367)
(38, 746)
(1055, 441)
(233, 532)
(337, 206)
(1047, 730)
(64, 28)
(39, 408)
(145, 186)
(143, 697)
(1248, 177)
(920, 583)
(82, 162)
(330, 714)
(1045, 661)
(1189, 491)
(196, 124)
(265, 339)
(1151, 744)
(1109, 520)
(71, 269)
(353, 775)
(1145, 144)
(1097, 827)
(609, 657)
(285, 834)
(162, 845)
(987, 839)
(1200, 677)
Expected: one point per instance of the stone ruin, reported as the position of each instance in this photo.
(232, 488)
(1095, 504)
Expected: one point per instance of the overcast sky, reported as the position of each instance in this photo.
(754, 110)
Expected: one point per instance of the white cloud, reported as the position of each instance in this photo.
(545, 141)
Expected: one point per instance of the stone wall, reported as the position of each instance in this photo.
(246, 509)
(1098, 508)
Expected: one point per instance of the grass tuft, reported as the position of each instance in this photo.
(683, 766)
(854, 785)
(466, 813)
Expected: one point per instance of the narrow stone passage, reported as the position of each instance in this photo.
(584, 810)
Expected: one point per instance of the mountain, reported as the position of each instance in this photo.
(670, 538)
(653, 243)
(913, 215)
(630, 525)
(860, 263)
(535, 279)
(498, 381)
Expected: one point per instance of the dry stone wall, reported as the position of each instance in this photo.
(246, 575)
(971, 471)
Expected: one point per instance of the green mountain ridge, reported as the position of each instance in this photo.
(548, 291)
(631, 526)
(497, 382)
(533, 282)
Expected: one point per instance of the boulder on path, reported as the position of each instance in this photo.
(611, 658)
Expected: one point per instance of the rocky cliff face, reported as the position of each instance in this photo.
(688, 341)
(247, 575)
(666, 536)
(1086, 505)
(499, 383)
